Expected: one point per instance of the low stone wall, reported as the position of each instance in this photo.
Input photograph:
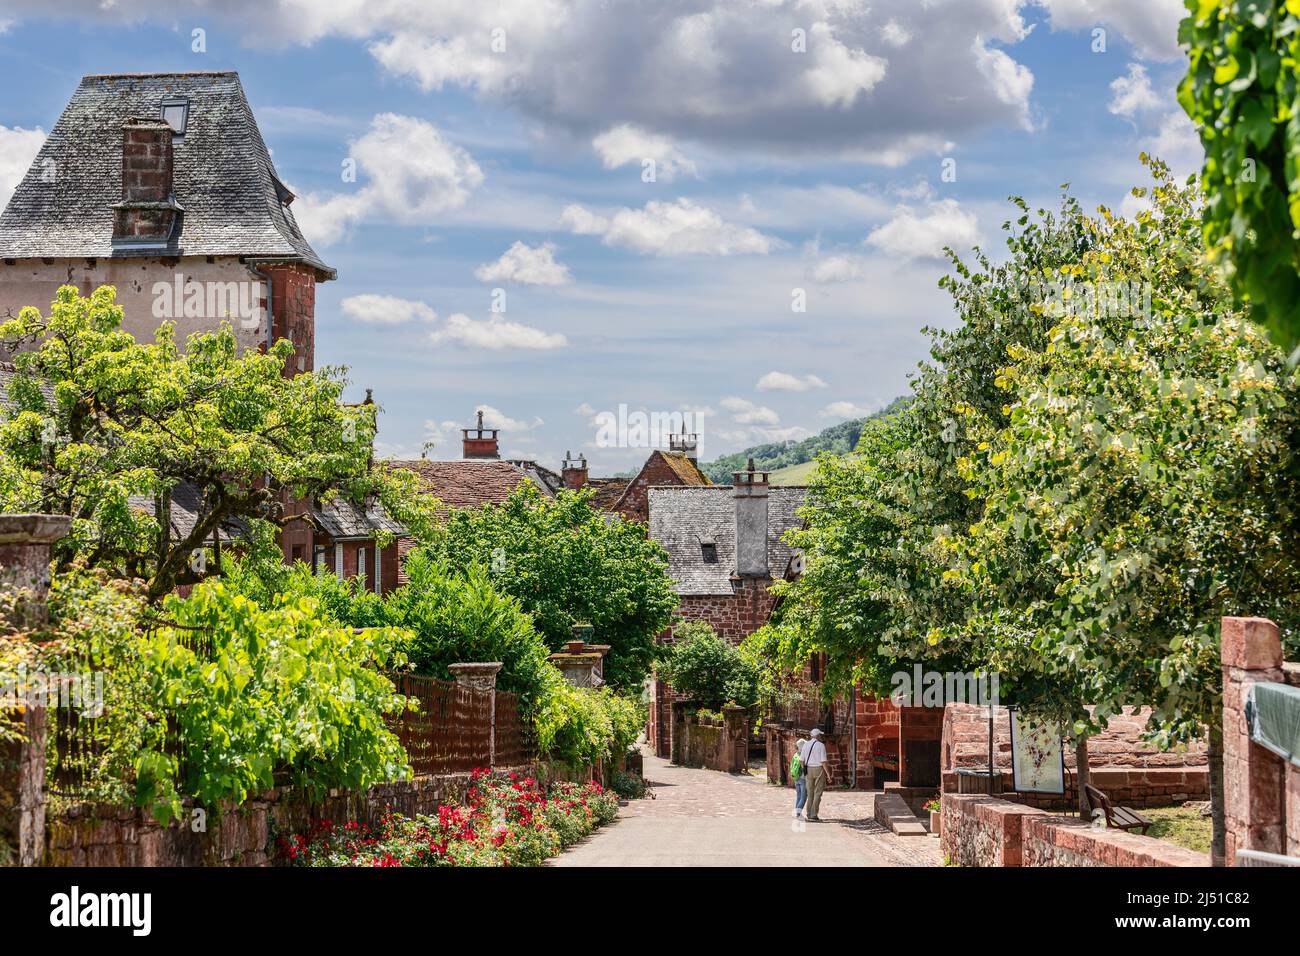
(710, 743)
(108, 835)
(1064, 841)
(979, 830)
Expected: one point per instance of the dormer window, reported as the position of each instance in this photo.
(176, 114)
(708, 550)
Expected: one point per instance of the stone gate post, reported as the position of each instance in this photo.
(1253, 803)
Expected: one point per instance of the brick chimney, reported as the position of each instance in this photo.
(574, 471)
(749, 491)
(480, 442)
(688, 445)
(148, 211)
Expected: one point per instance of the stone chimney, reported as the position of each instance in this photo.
(749, 491)
(480, 442)
(574, 471)
(688, 445)
(148, 211)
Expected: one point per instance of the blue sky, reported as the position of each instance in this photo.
(502, 146)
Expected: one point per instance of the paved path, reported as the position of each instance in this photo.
(707, 818)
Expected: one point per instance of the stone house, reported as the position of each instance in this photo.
(161, 185)
(725, 551)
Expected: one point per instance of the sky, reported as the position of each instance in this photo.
(566, 212)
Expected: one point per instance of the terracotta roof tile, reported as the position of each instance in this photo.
(467, 483)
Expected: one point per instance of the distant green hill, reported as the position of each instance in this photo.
(800, 474)
(792, 462)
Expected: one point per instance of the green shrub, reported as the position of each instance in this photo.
(704, 667)
(628, 785)
(285, 696)
(581, 726)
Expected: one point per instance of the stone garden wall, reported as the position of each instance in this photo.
(979, 830)
(243, 835)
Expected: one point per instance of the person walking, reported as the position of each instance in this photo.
(799, 774)
(818, 774)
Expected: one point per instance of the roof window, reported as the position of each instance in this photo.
(176, 114)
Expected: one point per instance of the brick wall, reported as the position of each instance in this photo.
(107, 835)
(634, 505)
(986, 831)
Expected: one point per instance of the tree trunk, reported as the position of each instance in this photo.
(1082, 776)
(1214, 753)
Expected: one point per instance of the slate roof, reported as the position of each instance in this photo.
(187, 501)
(681, 518)
(341, 517)
(540, 474)
(468, 482)
(222, 176)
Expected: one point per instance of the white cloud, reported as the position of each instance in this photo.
(495, 418)
(681, 228)
(1011, 82)
(530, 265)
(844, 410)
(1150, 25)
(495, 333)
(713, 72)
(840, 74)
(1132, 94)
(1178, 144)
(623, 144)
(914, 235)
(582, 221)
(18, 147)
(785, 382)
(745, 412)
(375, 309)
(837, 269)
(895, 34)
(407, 172)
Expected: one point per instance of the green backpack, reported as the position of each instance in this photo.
(796, 765)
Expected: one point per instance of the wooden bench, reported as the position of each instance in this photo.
(1121, 818)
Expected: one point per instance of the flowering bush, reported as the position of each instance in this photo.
(505, 821)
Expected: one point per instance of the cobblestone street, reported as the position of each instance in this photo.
(707, 818)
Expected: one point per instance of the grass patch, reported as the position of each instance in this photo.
(1182, 826)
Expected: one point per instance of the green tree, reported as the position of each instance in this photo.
(567, 563)
(105, 425)
(874, 596)
(1145, 475)
(706, 668)
(1241, 91)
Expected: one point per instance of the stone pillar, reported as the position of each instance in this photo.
(481, 677)
(25, 542)
(735, 733)
(1252, 776)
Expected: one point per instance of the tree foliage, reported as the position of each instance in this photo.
(106, 428)
(566, 563)
(708, 669)
(1241, 91)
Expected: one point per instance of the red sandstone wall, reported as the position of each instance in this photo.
(293, 313)
(986, 831)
